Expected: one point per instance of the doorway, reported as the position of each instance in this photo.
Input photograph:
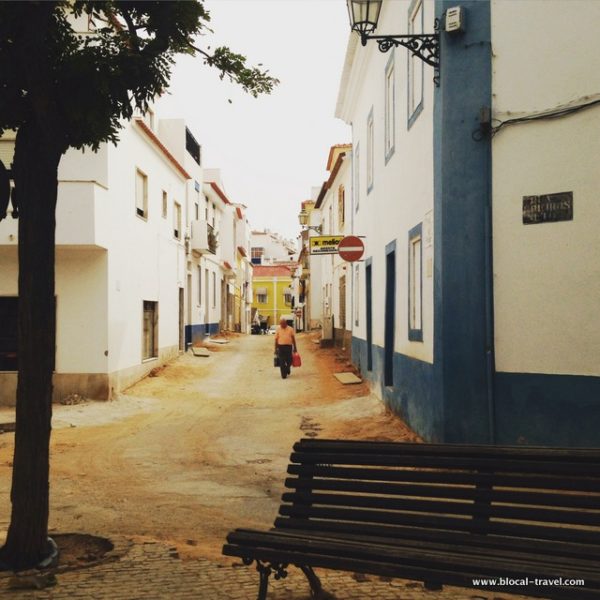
(369, 315)
(181, 320)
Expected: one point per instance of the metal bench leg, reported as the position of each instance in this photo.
(264, 583)
(316, 588)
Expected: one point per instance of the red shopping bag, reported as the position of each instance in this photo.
(296, 360)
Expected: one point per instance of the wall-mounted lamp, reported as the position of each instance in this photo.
(364, 17)
(303, 218)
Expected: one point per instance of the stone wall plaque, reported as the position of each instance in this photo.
(548, 208)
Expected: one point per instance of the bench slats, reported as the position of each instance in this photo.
(493, 464)
(430, 570)
(406, 552)
(524, 453)
(438, 513)
(476, 494)
(422, 505)
(562, 549)
(529, 481)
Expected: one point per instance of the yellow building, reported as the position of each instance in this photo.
(272, 292)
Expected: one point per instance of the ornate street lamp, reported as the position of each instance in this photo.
(364, 16)
(303, 218)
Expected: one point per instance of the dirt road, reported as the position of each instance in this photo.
(199, 449)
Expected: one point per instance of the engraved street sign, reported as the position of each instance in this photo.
(548, 208)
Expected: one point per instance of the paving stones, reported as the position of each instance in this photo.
(153, 571)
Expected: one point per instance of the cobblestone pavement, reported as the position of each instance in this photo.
(152, 570)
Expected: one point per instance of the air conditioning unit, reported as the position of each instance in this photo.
(199, 239)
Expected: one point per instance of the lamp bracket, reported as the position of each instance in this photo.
(425, 46)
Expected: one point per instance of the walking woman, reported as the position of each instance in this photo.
(285, 344)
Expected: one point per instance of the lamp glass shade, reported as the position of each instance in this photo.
(364, 15)
(303, 217)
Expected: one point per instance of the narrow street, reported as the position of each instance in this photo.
(183, 457)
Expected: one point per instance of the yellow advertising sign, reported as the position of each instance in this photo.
(325, 244)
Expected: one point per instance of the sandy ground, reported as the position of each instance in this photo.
(199, 449)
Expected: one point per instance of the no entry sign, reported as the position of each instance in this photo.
(351, 248)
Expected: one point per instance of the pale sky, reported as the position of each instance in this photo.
(272, 149)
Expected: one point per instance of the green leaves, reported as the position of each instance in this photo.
(77, 69)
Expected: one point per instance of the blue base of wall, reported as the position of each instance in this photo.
(547, 410)
(411, 397)
(196, 333)
(530, 409)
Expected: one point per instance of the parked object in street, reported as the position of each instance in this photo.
(272, 330)
(484, 517)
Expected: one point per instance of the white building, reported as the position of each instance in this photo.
(476, 309)
(120, 264)
(151, 256)
(333, 209)
(268, 248)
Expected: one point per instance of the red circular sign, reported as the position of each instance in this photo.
(351, 248)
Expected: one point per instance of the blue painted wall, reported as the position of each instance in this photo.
(461, 196)
(412, 396)
(196, 333)
(547, 410)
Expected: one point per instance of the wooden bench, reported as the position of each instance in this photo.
(440, 514)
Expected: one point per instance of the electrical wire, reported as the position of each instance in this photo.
(548, 115)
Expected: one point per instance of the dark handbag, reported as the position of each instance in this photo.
(276, 360)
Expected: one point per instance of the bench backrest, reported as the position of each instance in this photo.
(432, 491)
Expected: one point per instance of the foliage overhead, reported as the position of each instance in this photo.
(80, 85)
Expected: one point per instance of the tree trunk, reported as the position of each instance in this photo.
(35, 173)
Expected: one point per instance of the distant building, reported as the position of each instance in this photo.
(272, 293)
(268, 248)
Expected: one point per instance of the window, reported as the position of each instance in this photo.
(415, 291)
(261, 298)
(356, 167)
(164, 204)
(150, 330)
(287, 297)
(356, 294)
(415, 65)
(370, 153)
(196, 211)
(8, 333)
(206, 209)
(256, 255)
(214, 212)
(177, 220)
(214, 290)
(390, 109)
(192, 146)
(141, 194)
(341, 206)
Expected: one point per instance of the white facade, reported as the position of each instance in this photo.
(119, 257)
(547, 277)
(268, 248)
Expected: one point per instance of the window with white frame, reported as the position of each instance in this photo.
(150, 330)
(177, 220)
(390, 108)
(356, 173)
(415, 64)
(370, 151)
(141, 194)
(415, 288)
